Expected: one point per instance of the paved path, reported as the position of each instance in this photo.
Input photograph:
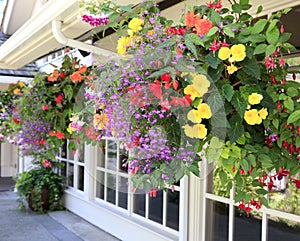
(55, 226)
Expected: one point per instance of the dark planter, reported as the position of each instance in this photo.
(44, 198)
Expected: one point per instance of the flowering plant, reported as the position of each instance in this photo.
(216, 83)
(45, 108)
(41, 187)
(7, 119)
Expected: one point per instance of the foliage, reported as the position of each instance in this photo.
(45, 108)
(32, 183)
(223, 77)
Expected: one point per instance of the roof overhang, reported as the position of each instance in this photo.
(36, 39)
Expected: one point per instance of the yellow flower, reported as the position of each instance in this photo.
(238, 52)
(224, 53)
(135, 24)
(252, 117)
(100, 121)
(198, 131)
(204, 110)
(123, 43)
(201, 83)
(231, 69)
(255, 98)
(194, 116)
(70, 129)
(191, 90)
(263, 113)
(16, 91)
(21, 84)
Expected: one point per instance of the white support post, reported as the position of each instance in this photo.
(231, 214)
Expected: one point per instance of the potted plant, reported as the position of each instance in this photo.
(41, 187)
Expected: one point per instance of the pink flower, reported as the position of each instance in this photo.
(46, 163)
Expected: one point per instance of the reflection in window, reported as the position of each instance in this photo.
(111, 188)
(139, 201)
(80, 184)
(156, 207)
(173, 209)
(123, 192)
(100, 185)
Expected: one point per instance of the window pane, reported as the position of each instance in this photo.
(81, 153)
(101, 154)
(63, 169)
(71, 154)
(122, 163)
(112, 155)
(111, 188)
(282, 229)
(123, 192)
(63, 150)
(156, 207)
(80, 184)
(100, 185)
(217, 221)
(139, 201)
(70, 181)
(173, 209)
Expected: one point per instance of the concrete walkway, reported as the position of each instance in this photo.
(54, 226)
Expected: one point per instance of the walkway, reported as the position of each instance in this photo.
(55, 226)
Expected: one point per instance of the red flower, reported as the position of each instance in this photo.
(62, 75)
(155, 88)
(297, 182)
(52, 133)
(203, 26)
(282, 173)
(58, 99)
(179, 101)
(43, 142)
(166, 78)
(60, 135)
(46, 163)
(82, 69)
(53, 77)
(153, 193)
(76, 77)
(17, 121)
(45, 107)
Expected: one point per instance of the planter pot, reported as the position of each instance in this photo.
(44, 198)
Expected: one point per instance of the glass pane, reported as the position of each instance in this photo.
(70, 181)
(247, 227)
(100, 185)
(173, 209)
(63, 150)
(156, 207)
(101, 154)
(123, 158)
(285, 197)
(80, 184)
(282, 229)
(63, 169)
(111, 188)
(123, 190)
(71, 154)
(216, 221)
(112, 155)
(81, 153)
(139, 202)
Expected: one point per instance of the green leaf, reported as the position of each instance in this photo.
(265, 160)
(212, 31)
(239, 103)
(292, 92)
(275, 123)
(284, 37)
(273, 35)
(214, 17)
(157, 74)
(246, 6)
(236, 128)
(262, 191)
(243, 2)
(215, 101)
(127, 8)
(259, 26)
(237, 8)
(212, 60)
(195, 38)
(295, 116)
(270, 49)
(228, 31)
(272, 25)
(227, 91)
(289, 103)
(245, 165)
(223, 177)
(251, 67)
(256, 38)
(259, 49)
(190, 45)
(259, 9)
